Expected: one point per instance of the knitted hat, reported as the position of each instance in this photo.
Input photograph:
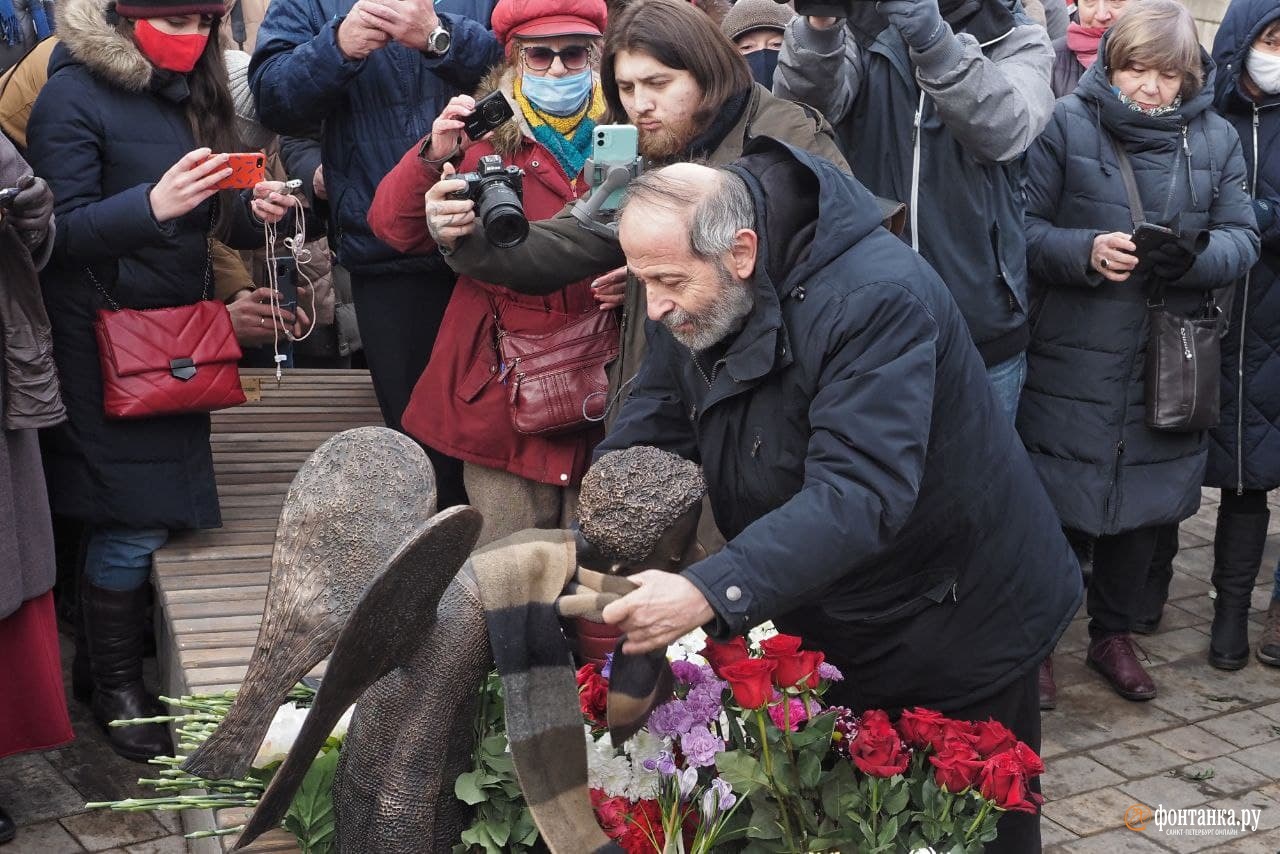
(253, 135)
(165, 8)
(533, 18)
(748, 15)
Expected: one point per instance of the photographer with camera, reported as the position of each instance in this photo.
(937, 112)
(668, 70)
(526, 165)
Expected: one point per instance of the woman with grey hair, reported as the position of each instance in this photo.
(1146, 100)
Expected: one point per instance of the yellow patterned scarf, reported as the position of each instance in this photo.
(568, 138)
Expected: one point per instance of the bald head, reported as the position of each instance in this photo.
(709, 206)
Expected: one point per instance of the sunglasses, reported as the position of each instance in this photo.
(574, 58)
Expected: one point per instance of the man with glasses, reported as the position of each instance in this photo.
(369, 76)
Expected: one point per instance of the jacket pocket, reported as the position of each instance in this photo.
(484, 367)
(897, 601)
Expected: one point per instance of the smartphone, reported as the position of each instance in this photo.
(613, 145)
(247, 171)
(7, 196)
(1147, 237)
(491, 110)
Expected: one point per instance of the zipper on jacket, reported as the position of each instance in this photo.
(916, 144)
(1112, 504)
(1244, 316)
(1191, 178)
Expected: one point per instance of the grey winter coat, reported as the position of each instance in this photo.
(1067, 69)
(972, 111)
(28, 399)
(1081, 414)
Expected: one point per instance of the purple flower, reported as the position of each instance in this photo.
(700, 746)
(830, 671)
(687, 672)
(717, 798)
(703, 701)
(664, 763)
(608, 665)
(670, 719)
(688, 782)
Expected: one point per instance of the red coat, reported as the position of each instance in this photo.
(458, 407)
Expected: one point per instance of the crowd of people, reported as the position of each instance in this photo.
(889, 277)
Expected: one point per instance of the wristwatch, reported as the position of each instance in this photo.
(438, 41)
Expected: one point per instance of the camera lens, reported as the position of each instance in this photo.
(502, 214)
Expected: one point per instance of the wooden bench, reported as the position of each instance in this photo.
(211, 585)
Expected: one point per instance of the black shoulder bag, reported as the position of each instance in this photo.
(1184, 354)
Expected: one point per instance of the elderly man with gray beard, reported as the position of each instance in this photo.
(875, 498)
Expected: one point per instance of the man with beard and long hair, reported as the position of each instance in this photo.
(668, 70)
(936, 109)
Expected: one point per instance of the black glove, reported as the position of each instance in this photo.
(32, 208)
(1170, 261)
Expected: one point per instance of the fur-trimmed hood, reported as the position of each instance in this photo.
(509, 137)
(92, 40)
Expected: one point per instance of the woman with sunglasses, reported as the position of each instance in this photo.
(459, 405)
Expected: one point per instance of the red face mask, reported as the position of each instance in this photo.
(168, 51)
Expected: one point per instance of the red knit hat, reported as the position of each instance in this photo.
(534, 18)
(165, 8)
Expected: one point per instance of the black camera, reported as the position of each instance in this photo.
(497, 191)
(826, 8)
(491, 110)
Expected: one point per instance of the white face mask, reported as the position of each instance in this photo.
(1264, 69)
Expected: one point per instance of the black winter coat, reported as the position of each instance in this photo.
(104, 130)
(1081, 414)
(875, 500)
(1244, 451)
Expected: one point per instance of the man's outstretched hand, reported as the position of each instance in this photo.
(665, 608)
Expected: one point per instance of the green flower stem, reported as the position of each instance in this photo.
(982, 814)
(783, 811)
(875, 805)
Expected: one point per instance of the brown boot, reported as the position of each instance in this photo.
(1048, 689)
(1269, 646)
(1113, 656)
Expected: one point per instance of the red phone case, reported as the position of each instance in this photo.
(247, 170)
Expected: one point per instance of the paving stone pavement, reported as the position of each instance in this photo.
(1104, 755)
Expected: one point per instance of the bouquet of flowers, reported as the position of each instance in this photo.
(310, 817)
(748, 757)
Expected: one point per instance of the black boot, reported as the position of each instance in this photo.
(1237, 553)
(114, 624)
(1155, 592)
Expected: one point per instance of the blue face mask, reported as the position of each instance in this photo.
(558, 96)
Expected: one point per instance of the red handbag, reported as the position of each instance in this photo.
(167, 361)
(556, 382)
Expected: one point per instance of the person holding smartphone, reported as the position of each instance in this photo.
(132, 132)
(1113, 479)
(460, 404)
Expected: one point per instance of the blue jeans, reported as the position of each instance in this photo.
(1007, 379)
(120, 558)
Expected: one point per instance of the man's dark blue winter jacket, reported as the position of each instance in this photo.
(368, 112)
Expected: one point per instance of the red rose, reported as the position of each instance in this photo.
(1003, 780)
(719, 654)
(956, 764)
(923, 728)
(750, 680)
(780, 646)
(877, 749)
(800, 669)
(1031, 762)
(593, 694)
(991, 737)
(611, 813)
